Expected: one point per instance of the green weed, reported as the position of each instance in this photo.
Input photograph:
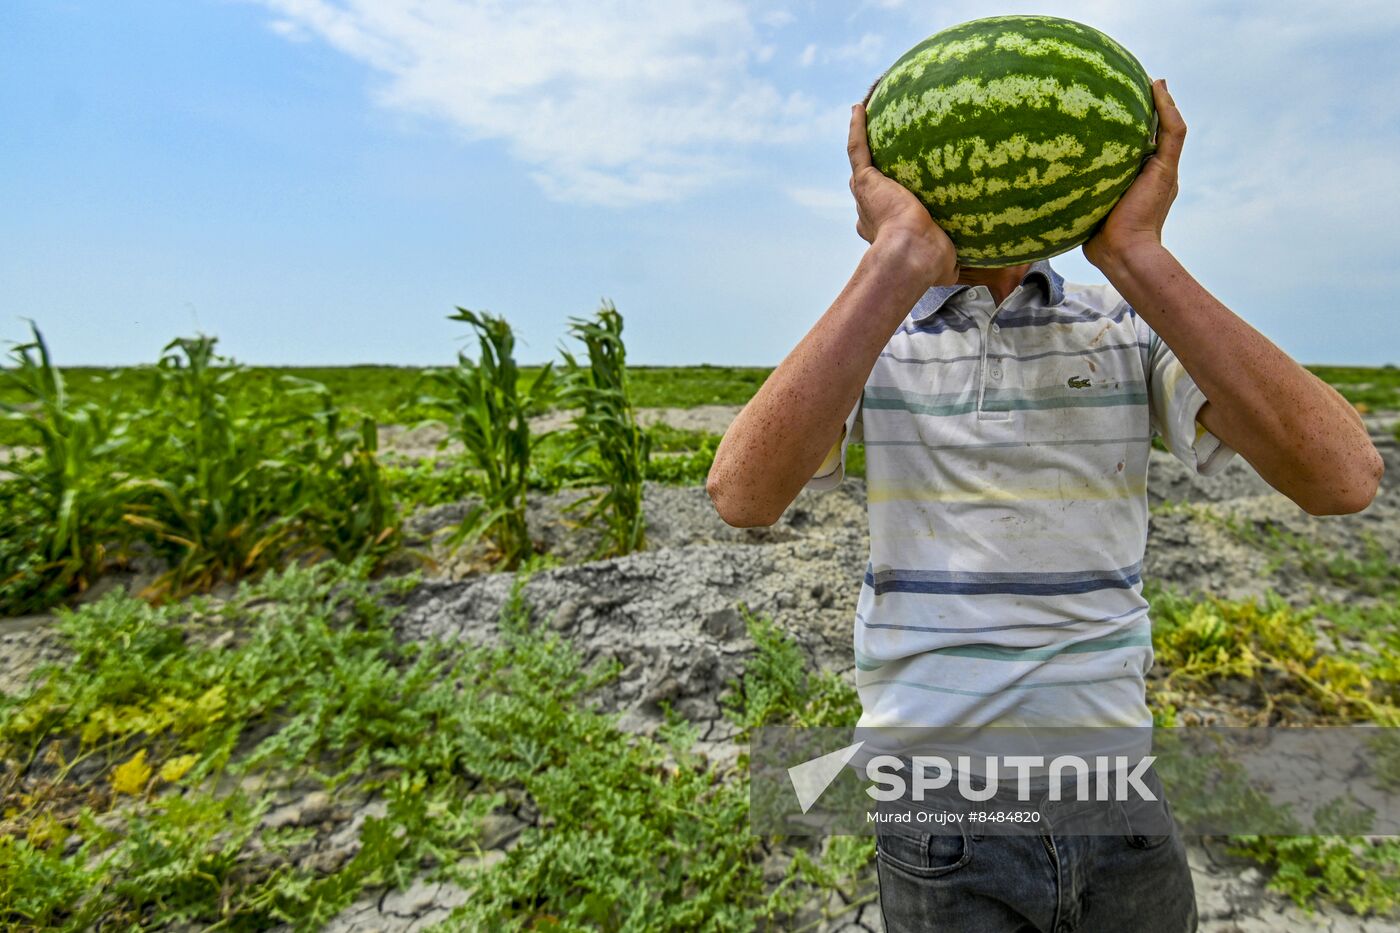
(1372, 571)
(348, 507)
(1205, 640)
(685, 468)
(425, 484)
(115, 767)
(778, 685)
(1360, 872)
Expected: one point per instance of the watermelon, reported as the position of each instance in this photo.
(1018, 133)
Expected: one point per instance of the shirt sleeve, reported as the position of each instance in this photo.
(1174, 400)
(833, 468)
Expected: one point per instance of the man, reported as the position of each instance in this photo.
(1007, 418)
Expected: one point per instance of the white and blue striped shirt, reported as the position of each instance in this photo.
(1006, 464)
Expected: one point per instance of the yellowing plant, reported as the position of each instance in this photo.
(131, 776)
(176, 768)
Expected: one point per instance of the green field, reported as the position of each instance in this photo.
(266, 486)
(1375, 387)
(388, 393)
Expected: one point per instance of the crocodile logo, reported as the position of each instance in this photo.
(1078, 382)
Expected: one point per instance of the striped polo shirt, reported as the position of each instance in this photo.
(1006, 464)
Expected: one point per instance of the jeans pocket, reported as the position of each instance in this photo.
(1148, 824)
(926, 855)
(1147, 842)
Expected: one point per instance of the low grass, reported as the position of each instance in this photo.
(1370, 571)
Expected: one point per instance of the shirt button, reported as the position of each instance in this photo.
(996, 328)
(996, 373)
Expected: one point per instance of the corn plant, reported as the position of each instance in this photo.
(62, 511)
(489, 413)
(219, 498)
(607, 425)
(348, 507)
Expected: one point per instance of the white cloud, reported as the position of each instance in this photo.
(289, 30)
(608, 102)
(866, 51)
(829, 201)
(861, 11)
(777, 19)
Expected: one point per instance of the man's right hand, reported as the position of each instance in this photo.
(889, 213)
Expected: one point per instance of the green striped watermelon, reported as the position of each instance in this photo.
(1018, 133)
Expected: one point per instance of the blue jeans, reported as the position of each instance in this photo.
(960, 881)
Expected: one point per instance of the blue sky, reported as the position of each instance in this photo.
(322, 181)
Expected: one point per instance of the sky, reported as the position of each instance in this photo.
(321, 182)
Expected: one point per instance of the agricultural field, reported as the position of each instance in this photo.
(469, 649)
(389, 394)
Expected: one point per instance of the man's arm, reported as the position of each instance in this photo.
(781, 436)
(1299, 433)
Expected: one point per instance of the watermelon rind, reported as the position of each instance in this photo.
(1018, 133)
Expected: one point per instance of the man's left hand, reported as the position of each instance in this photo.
(1136, 220)
(1298, 432)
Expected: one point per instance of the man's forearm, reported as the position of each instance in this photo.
(1297, 431)
(785, 431)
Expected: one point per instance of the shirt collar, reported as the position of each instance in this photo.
(936, 297)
